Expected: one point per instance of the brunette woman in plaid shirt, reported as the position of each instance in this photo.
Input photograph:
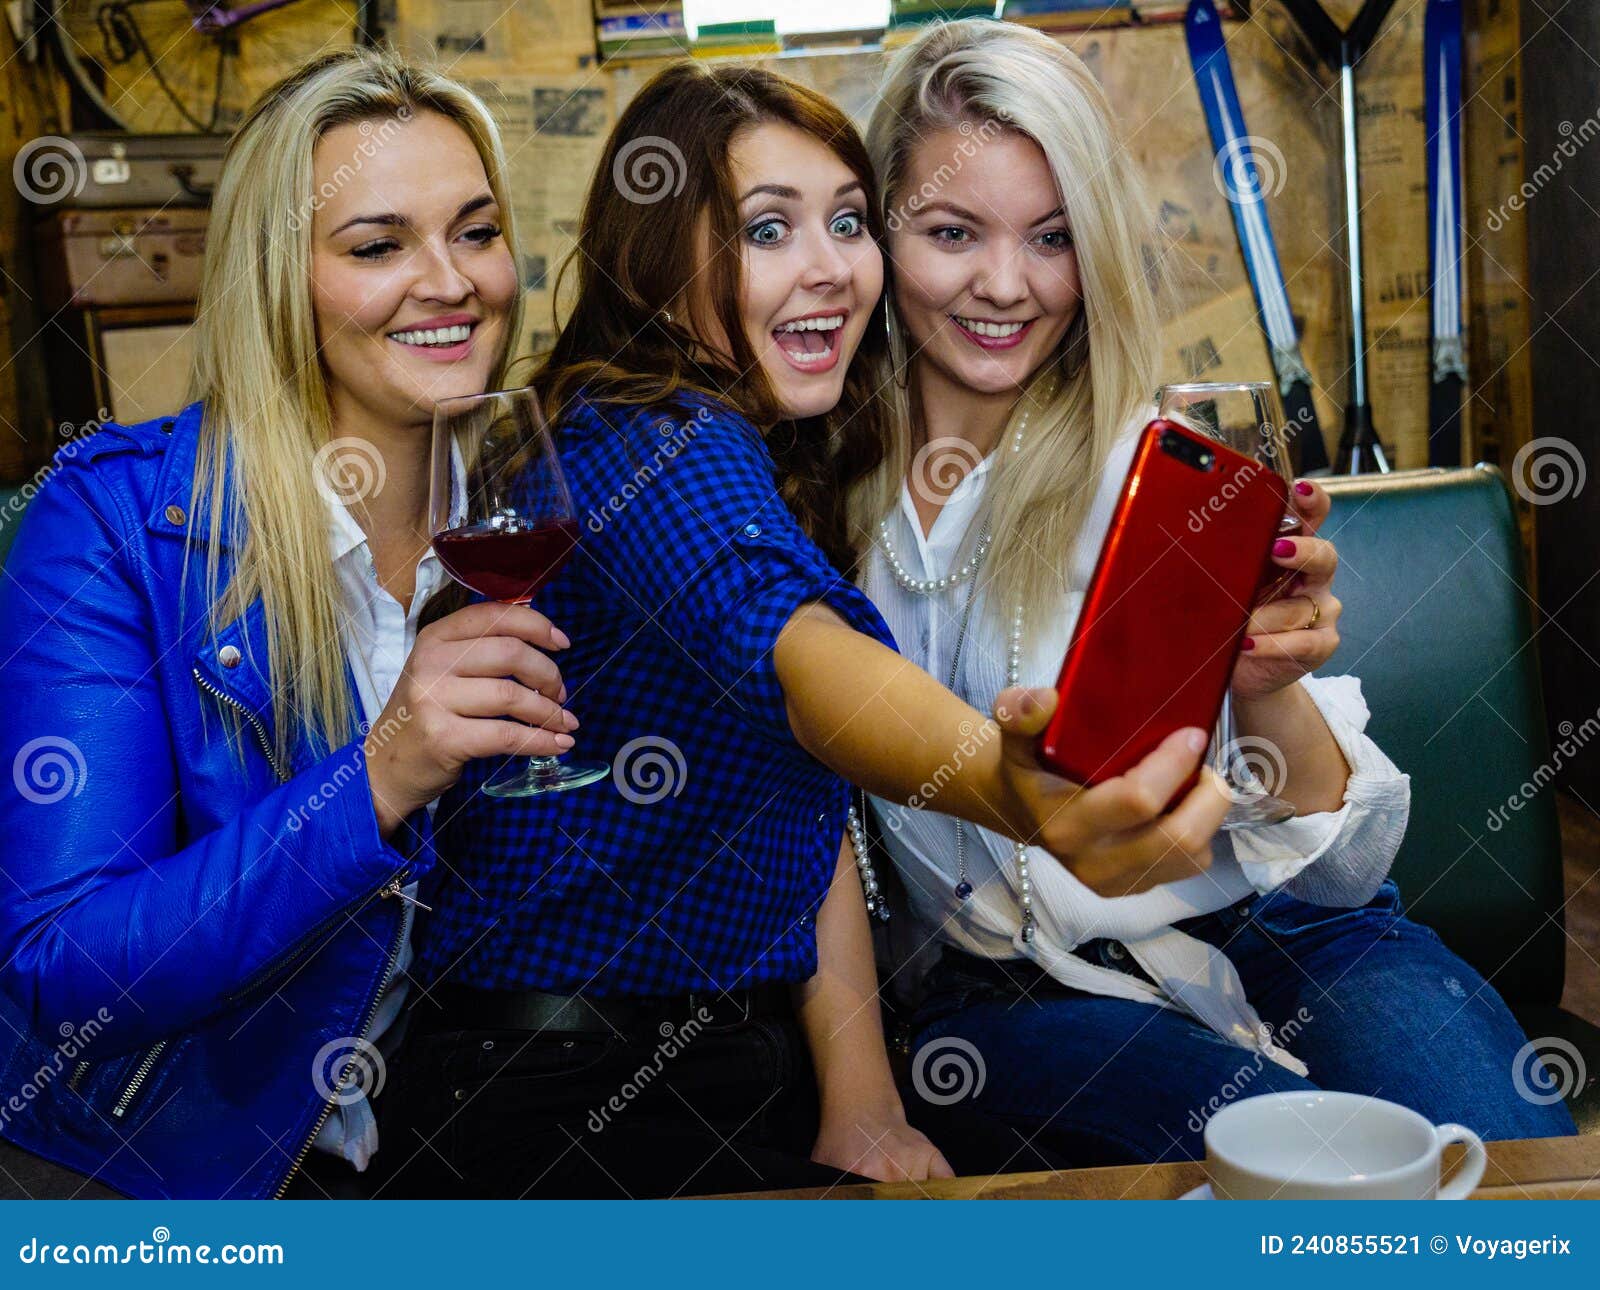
(663, 983)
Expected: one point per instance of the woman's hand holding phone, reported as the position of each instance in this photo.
(1113, 837)
(1280, 648)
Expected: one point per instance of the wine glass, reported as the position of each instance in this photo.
(1247, 417)
(503, 526)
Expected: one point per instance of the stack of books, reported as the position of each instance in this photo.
(626, 32)
(1067, 15)
(737, 39)
(1076, 15)
(908, 17)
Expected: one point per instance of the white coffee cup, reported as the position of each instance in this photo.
(1314, 1145)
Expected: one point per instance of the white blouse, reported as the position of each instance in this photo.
(1336, 858)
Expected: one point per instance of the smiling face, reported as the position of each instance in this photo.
(812, 273)
(986, 276)
(412, 283)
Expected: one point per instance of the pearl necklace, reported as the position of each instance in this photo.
(932, 586)
(876, 903)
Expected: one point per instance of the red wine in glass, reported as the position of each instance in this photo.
(503, 525)
(509, 563)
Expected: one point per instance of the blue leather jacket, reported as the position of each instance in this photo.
(192, 937)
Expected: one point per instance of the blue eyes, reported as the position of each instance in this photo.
(1053, 240)
(767, 233)
(774, 231)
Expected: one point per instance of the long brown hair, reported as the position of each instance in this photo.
(665, 169)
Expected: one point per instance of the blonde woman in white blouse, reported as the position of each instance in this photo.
(1024, 338)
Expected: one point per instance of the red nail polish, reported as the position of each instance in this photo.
(1249, 642)
(1303, 488)
(1283, 546)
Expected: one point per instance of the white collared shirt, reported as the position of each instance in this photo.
(1333, 857)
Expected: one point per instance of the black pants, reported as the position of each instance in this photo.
(689, 1111)
(507, 1113)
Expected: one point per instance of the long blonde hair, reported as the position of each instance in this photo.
(256, 367)
(999, 76)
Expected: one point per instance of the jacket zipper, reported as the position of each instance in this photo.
(78, 1072)
(140, 1074)
(255, 722)
(388, 970)
(391, 888)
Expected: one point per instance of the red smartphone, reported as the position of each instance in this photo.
(1185, 557)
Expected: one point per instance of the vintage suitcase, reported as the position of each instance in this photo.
(121, 257)
(123, 364)
(146, 169)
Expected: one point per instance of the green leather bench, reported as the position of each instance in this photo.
(1437, 624)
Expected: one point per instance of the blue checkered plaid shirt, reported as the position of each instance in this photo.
(701, 862)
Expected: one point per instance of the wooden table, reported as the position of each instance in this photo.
(1529, 1169)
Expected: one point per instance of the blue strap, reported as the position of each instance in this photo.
(1442, 79)
(1240, 176)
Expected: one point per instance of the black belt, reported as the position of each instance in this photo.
(457, 1007)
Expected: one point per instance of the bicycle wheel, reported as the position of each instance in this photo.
(148, 67)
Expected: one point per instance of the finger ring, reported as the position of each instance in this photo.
(1316, 613)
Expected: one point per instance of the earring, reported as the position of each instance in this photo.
(665, 315)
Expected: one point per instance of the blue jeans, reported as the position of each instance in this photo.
(1371, 1002)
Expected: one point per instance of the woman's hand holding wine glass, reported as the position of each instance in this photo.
(1285, 646)
(503, 526)
(478, 683)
